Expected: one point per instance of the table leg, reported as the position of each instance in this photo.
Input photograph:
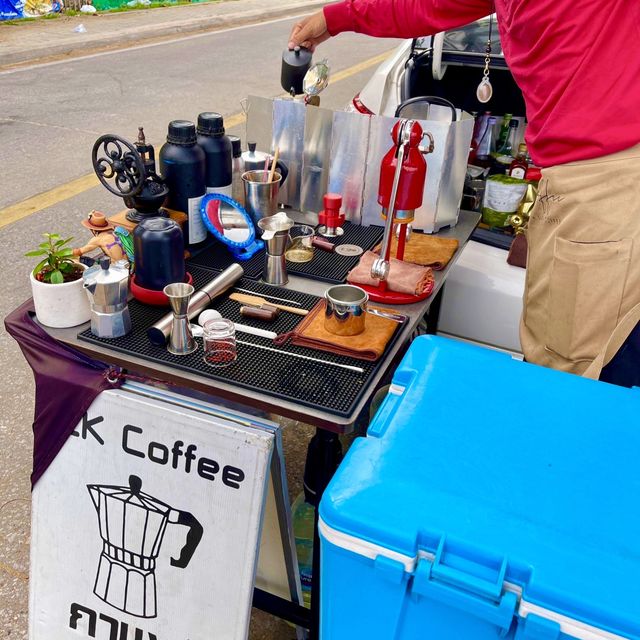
(433, 314)
(323, 457)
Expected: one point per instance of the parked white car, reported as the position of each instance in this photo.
(482, 299)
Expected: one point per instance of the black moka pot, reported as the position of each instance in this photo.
(295, 64)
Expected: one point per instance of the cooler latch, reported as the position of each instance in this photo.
(469, 582)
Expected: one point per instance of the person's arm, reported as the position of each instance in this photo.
(387, 18)
(403, 18)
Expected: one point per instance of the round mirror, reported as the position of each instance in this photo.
(316, 79)
(229, 223)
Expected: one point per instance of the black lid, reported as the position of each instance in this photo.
(252, 146)
(210, 124)
(513, 124)
(297, 57)
(236, 145)
(182, 132)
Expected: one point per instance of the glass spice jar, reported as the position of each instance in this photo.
(219, 339)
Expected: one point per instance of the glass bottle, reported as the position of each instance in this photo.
(510, 144)
(486, 144)
(519, 166)
(504, 130)
(237, 188)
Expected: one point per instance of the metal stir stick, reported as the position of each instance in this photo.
(297, 355)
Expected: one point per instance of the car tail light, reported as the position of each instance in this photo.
(360, 107)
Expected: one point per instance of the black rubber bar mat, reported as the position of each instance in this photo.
(313, 383)
(332, 267)
(325, 266)
(217, 258)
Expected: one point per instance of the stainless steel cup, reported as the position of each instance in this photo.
(345, 310)
(181, 340)
(260, 198)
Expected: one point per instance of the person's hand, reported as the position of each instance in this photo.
(309, 32)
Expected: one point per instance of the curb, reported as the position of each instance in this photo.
(141, 34)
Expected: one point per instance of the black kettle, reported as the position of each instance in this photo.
(295, 64)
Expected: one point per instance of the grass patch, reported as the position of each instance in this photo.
(122, 9)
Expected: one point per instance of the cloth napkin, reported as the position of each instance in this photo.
(369, 345)
(404, 277)
(426, 250)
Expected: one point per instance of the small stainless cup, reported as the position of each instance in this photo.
(345, 310)
(260, 198)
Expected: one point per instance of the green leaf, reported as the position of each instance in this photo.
(57, 277)
(44, 245)
(64, 253)
(40, 266)
(33, 254)
(66, 267)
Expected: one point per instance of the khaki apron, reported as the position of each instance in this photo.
(582, 291)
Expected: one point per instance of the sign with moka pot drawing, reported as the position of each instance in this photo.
(147, 524)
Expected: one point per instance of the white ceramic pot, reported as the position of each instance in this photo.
(60, 305)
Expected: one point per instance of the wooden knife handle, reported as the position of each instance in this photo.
(284, 307)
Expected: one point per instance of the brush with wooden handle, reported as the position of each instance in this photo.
(257, 301)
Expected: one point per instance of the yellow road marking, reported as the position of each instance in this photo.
(357, 68)
(74, 188)
(47, 199)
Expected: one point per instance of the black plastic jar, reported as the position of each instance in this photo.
(218, 150)
(159, 253)
(182, 165)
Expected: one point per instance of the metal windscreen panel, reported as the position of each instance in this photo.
(380, 142)
(259, 122)
(288, 136)
(316, 160)
(349, 145)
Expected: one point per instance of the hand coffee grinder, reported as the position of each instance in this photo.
(403, 173)
(129, 171)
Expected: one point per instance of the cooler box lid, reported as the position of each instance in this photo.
(501, 477)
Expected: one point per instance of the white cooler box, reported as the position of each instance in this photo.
(464, 517)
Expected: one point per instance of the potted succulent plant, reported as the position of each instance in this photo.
(56, 284)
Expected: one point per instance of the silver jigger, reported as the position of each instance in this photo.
(181, 340)
(275, 233)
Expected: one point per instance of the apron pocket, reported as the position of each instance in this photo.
(585, 292)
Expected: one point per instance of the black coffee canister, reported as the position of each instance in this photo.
(217, 148)
(295, 64)
(159, 253)
(182, 165)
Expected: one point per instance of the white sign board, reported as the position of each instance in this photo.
(146, 526)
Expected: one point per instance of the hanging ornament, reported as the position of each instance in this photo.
(484, 92)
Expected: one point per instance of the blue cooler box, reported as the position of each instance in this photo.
(466, 515)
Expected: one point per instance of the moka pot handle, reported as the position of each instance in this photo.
(194, 536)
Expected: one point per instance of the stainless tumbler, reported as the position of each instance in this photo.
(345, 310)
(260, 198)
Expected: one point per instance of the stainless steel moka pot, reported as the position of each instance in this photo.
(108, 286)
(275, 233)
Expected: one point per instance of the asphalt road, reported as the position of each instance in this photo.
(49, 118)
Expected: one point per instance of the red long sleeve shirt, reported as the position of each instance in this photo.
(577, 63)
